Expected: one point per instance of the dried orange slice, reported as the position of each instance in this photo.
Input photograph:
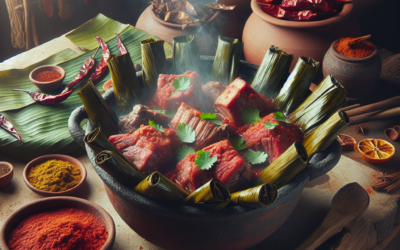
(375, 150)
(346, 141)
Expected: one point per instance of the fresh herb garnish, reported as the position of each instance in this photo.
(184, 151)
(185, 133)
(160, 111)
(270, 125)
(203, 160)
(238, 143)
(211, 118)
(250, 116)
(181, 83)
(156, 126)
(256, 157)
(280, 117)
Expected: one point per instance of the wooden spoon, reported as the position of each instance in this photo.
(357, 40)
(347, 207)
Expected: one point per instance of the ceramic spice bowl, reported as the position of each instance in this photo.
(55, 203)
(6, 173)
(48, 85)
(45, 158)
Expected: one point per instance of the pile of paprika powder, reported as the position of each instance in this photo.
(64, 229)
(47, 76)
(358, 50)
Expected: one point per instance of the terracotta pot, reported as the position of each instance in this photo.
(223, 22)
(309, 39)
(242, 9)
(358, 75)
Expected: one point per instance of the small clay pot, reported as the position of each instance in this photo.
(391, 134)
(397, 128)
(45, 158)
(54, 203)
(51, 85)
(358, 75)
(4, 180)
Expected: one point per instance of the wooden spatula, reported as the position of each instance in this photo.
(347, 206)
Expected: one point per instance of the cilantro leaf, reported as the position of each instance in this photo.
(280, 117)
(156, 126)
(203, 160)
(184, 151)
(270, 125)
(250, 116)
(160, 111)
(185, 133)
(254, 157)
(238, 143)
(211, 118)
(181, 83)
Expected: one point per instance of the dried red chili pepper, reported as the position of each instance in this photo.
(7, 126)
(101, 69)
(276, 11)
(48, 7)
(47, 99)
(324, 6)
(121, 46)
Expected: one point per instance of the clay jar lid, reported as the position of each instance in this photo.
(50, 85)
(339, 17)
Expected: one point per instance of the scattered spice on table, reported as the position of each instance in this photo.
(55, 176)
(63, 229)
(360, 129)
(47, 76)
(358, 50)
(4, 169)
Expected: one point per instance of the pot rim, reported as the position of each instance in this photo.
(352, 59)
(340, 17)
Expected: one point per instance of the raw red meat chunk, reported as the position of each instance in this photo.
(239, 96)
(231, 169)
(273, 141)
(211, 91)
(165, 97)
(148, 148)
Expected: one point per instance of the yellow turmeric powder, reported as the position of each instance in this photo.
(55, 176)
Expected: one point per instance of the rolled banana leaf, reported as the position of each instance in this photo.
(99, 113)
(127, 89)
(326, 100)
(159, 187)
(227, 58)
(268, 79)
(214, 194)
(154, 62)
(321, 137)
(287, 166)
(260, 196)
(119, 168)
(185, 54)
(296, 88)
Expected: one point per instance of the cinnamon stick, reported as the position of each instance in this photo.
(388, 183)
(386, 104)
(27, 24)
(350, 107)
(373, 116)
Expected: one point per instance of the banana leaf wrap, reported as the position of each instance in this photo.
(321, 137)
(119, 168)
(154, 62)
(99, 113)
(260, 196)
(159, 187)
(227, 58)
(326, 100)
(296, 87)
(214, 194)
(127, 89)
(285, 167)
(273, 68)
(185, 54)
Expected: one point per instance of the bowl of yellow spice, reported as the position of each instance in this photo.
(51, 175)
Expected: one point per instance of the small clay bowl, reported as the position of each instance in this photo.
(392, 134)
(397, 128)
(51, 85)
(4, 180)
(54, 203)
(45, 158)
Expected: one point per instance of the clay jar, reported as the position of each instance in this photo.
(358, 75)
(206, 33)
(307, 38)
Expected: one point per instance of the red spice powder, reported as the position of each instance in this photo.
(360, 50)
(369, 191)
(47, 76)
(64, 229)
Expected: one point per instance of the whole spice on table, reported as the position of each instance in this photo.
(54, 176)
(359, 50)
(64, 229)
(7, 126)
(4, 169)
(388, 182)
(47, 99)
(47, 76)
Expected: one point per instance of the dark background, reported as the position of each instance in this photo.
(381, 18)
